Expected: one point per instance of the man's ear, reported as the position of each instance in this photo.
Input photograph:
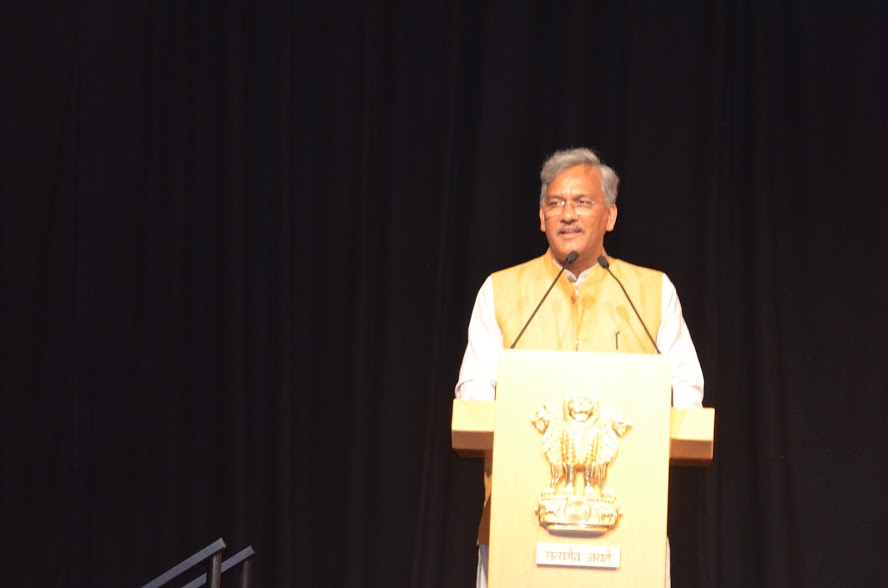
(611, 217)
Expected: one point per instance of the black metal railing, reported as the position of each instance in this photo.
(211, 556)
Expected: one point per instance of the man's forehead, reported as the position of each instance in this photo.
(575, 180)
(573, 190)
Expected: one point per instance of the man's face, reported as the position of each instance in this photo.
(580, 224)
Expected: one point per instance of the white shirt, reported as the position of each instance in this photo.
(477, 376)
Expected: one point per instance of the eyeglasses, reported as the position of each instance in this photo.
(555, 206)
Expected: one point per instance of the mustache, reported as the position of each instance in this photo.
(570, 226)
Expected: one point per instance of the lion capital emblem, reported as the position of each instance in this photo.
(580, 442)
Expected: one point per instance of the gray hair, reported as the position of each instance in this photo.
(568, 158)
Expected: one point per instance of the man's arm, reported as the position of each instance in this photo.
(477, 376)
(674, 341)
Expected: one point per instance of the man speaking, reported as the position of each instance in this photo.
(575, 297)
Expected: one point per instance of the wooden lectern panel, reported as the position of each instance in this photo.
(471, 427)
(691, 431)
(636, 385)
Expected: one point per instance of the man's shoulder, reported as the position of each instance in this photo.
(619, 265)
(638, 276)
(535, 264)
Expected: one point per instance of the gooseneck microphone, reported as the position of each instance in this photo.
(603, 262)
(571, 257)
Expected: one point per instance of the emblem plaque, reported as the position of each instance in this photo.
(580, 440)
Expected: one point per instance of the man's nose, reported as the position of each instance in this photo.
(569, 211)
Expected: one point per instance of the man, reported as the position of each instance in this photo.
(586, 310)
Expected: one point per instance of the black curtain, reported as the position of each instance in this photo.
(241, 242)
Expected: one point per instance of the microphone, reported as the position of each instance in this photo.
(603, 262)
(571, 257)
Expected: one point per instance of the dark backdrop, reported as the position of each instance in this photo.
(241, 242)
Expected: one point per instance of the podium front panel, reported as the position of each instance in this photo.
(635, 386)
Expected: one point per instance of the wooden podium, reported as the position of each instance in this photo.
(634, 386)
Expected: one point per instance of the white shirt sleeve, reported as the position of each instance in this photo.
(477, 376)
(674, 341)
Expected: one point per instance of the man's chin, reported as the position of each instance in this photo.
(565, 246)
(562, 253)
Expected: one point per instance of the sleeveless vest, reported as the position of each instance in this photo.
(595, 316)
